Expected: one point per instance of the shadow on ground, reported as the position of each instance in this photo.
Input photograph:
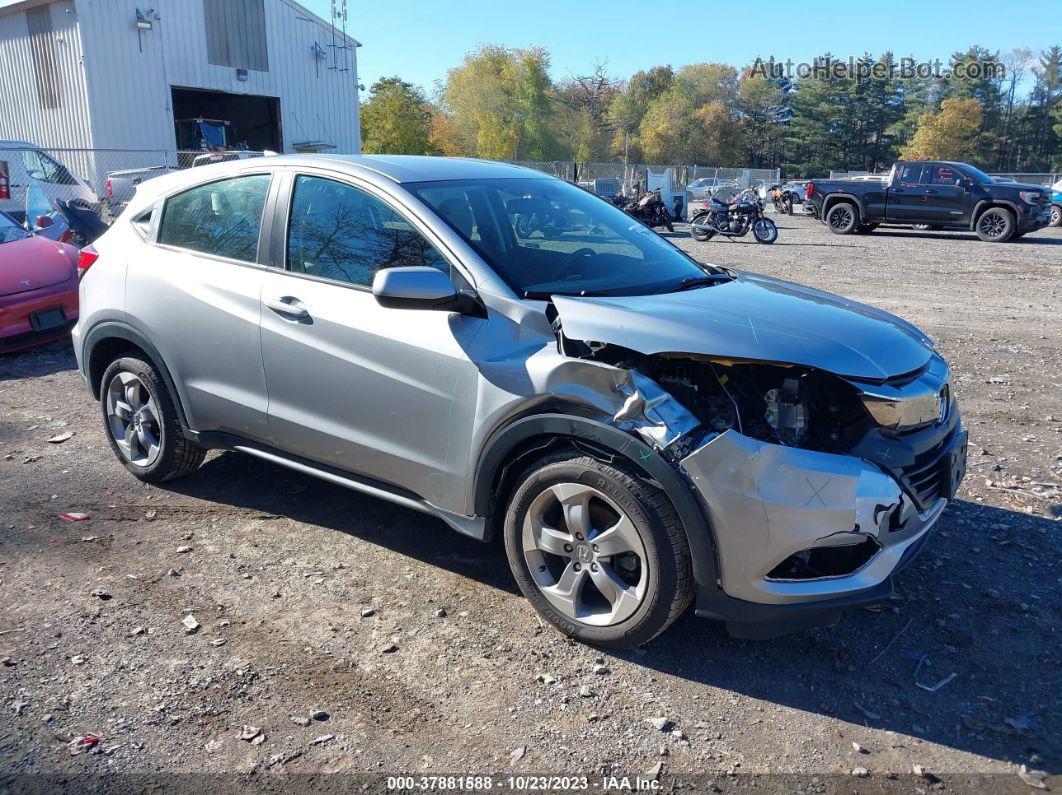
(981, 602)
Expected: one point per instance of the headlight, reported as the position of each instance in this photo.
(1030, 196)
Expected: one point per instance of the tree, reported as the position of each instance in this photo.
(499, 106)
(396, 120)
(949, 134)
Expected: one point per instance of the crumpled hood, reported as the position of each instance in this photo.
(754, 317)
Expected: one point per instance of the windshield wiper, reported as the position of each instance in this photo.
(690, 282)
(538, 295)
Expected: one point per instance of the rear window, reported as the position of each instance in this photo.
(221, 218)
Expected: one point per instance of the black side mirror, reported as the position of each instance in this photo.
(421, 287)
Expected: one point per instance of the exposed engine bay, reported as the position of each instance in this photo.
(787, 405)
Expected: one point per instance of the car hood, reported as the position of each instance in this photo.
(33, 263)
(756, 318)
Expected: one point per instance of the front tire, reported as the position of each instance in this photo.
(764, 230)
(597, 550)
(1056, 216)
(996, 225)
(142, 425)
(842, 218)
(700, 234)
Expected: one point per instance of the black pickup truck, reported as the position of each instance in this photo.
(932, 194)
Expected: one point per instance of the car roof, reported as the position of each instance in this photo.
(415, 168)
(17, 145)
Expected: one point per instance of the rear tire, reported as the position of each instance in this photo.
(842, 218)
(620, 594)
(995, 225)
(1056, 216)
(141, 423)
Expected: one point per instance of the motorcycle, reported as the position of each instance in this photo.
(782, 199)
(651, 211)
(745, 212)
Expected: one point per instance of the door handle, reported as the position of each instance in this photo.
(930, 190)
(289, 307)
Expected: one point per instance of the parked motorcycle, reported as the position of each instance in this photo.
(745, 212)
(85, 222)
(782, 199)
(651, 211)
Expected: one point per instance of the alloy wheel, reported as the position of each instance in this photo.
(992, 224)
(585, 554)
(133, 419)
(841, 218)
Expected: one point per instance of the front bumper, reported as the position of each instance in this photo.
(767, 503)
(1032, 218)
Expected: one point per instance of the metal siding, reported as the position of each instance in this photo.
(128, 90)
(23, 117)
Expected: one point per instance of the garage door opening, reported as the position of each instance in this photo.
(253, 122)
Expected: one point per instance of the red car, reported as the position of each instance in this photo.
(38, 287)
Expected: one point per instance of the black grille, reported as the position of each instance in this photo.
(925, 478)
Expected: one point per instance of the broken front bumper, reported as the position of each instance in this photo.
(770, 504)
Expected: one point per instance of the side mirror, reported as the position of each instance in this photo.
(421, 287)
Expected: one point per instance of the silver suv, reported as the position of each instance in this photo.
(517, 357)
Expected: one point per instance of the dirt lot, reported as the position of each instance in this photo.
(415, 643)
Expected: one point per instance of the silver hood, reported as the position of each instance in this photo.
(758, 318)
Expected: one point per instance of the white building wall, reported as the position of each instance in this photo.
(21, 115)
(125, 83)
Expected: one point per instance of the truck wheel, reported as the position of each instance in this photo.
(142, 424)
(842, 218)
(996, 225)
(1056, 215)
(597, 550)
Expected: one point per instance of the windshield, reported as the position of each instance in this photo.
(547, 237)
(544, 236)
(11, 231)
(977, 174)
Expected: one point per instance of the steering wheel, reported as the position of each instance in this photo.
(568, 260)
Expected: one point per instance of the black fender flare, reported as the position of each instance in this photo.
(610, 440)
(832, 198)
(113, 329)
(986, 204)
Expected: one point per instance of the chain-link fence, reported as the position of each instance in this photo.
(107, 177)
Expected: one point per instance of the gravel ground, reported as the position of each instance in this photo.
(352, 636)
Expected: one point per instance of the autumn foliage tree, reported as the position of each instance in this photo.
(396, 119)
(949, 134)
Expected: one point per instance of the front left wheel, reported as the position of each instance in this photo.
(597, 550)
(142, 423)
(1056, 216)
(764, 230)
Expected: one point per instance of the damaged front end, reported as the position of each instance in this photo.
(816, 486)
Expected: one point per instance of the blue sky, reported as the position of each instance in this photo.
(420, 41)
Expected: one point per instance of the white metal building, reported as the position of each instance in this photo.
(107, 74)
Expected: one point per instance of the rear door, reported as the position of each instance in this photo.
(947, 202)
(907, 195)
(384, 393)
(196, 295)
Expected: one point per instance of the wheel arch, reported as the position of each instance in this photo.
(107, 341)
(851, 198)
(988, 204)
(525, 437)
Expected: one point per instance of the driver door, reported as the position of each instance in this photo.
(385, 393)
(908, 200)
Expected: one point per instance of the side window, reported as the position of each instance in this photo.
(943, 175)
(43, 169)
(911, 175)
(220, 218)
(342, 233)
